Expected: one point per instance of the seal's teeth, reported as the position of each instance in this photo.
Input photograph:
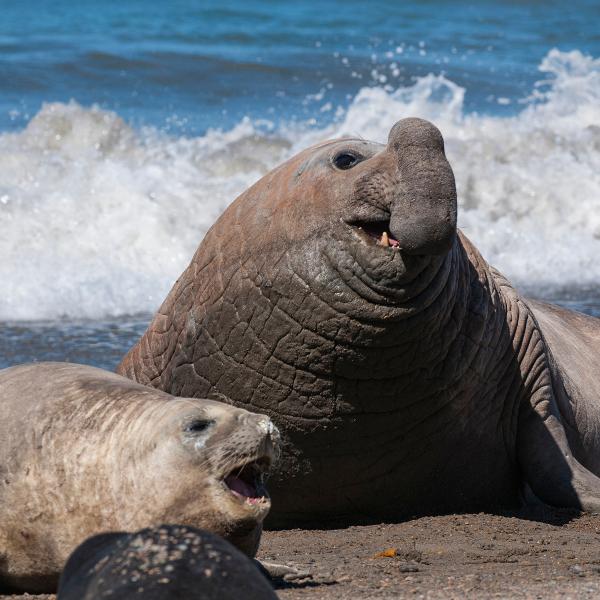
(385, 240)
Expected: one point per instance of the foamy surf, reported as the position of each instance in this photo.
(99, 219)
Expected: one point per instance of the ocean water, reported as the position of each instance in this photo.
(127, 128)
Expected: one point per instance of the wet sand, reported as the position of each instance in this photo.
(539, 554)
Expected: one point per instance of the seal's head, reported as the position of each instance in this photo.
(356, 218)
(209, 462)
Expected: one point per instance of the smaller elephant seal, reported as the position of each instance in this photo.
(170, 562)
(84, 451)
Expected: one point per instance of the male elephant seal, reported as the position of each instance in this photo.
(407, 375)
(169, 562)
(84, 451)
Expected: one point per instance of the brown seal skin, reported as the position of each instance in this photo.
(170, 562)
(406, 374)
(84, 451)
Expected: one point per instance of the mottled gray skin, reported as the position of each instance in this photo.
(169, 562)
(83, 451)
(573, 342)
(405, 380)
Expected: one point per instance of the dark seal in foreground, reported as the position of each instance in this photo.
(406, 375)
(170, 562)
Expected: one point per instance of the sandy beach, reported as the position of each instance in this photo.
(535, 554)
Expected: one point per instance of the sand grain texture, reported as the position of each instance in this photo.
(455, 556)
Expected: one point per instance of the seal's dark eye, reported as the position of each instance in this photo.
(345, 160)
(198, 425)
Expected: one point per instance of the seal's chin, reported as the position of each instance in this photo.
(246, 483)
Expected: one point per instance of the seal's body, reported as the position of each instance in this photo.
(84, 451)
(169, 562)
(406, 374)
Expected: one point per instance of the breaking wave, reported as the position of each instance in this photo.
(99, 219)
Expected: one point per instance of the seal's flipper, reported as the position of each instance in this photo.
(554, 475)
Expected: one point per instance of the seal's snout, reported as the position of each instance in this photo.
(268, 428)
(271, 437)
(423, 205)
(265, 426)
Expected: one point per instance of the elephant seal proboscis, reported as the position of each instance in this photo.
(170, 562)
(407, 375)
(85, 451)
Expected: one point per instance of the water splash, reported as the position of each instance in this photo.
(99, 219)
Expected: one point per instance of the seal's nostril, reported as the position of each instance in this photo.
(266, 426)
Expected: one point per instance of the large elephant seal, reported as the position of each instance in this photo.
(406, 374)
(169, 562)
(83, 451)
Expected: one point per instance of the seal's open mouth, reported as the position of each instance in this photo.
(376, 232)
(246, 482)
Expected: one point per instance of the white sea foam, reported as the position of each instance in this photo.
(98, 219)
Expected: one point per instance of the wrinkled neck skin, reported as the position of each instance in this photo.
(426, 374)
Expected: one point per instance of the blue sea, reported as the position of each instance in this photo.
(127, 127)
